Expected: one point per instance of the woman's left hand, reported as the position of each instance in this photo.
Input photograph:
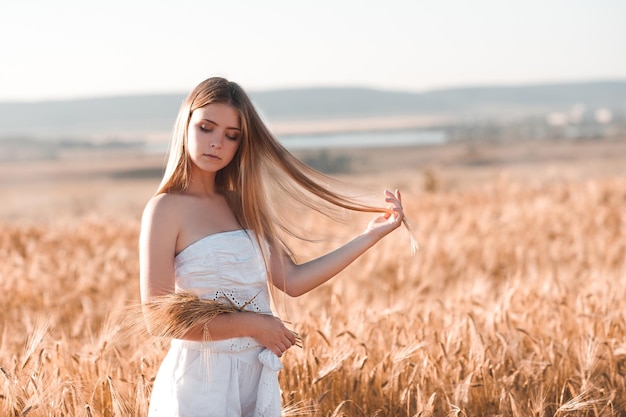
(387, 222)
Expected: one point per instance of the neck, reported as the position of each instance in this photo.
(202, 184)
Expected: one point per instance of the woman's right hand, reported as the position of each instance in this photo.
(270, 332)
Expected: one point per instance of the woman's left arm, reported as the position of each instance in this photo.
(297, 279)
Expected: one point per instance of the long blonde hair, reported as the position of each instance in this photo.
(259, 160)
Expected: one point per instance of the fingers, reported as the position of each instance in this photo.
(395, 198)
(282, 348)
(284, 340)
(282, 345)
(270, 331)
(391, 218)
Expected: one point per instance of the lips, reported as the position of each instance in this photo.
(211, 156)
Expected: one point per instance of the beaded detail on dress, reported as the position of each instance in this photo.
(226, 266)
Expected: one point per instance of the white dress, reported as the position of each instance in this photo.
(225, 378)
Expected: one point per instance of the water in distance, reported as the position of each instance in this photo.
(378, 139)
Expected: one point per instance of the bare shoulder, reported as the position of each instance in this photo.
(161, 215)
(161, 205)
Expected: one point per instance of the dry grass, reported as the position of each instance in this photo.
(513, 306)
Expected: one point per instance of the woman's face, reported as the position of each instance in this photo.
(213, 136)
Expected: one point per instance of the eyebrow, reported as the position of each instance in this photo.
(212, 122)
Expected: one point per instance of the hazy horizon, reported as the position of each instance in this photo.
(452, 87)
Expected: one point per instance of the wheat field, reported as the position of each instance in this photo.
(514, 305)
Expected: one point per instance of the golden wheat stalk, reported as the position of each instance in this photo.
(409, 228)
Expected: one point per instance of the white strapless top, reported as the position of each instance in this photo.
(226, 267)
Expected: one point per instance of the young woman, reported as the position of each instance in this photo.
(211, 230)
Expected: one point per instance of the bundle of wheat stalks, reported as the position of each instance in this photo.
(173, 315)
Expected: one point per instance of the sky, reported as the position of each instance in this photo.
(66, 49)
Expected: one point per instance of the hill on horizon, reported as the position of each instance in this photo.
(137, 115)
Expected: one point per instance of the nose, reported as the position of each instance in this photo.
(216, 143)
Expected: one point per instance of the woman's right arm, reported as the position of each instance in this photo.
(160, 227)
